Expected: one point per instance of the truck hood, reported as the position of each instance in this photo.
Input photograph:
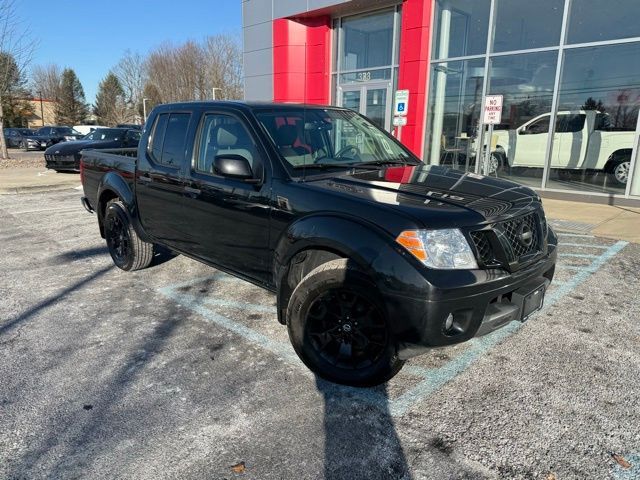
(432, 194)
(74, 146)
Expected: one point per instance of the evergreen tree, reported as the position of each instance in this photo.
(109, 104)
(13, 94)
(71, 108)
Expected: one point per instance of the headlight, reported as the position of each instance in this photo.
(445, 249)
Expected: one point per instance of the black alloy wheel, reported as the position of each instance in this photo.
(127, 249)
(118, 239)
(339, 327)
(346, 329)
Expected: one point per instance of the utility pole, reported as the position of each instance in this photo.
(41, 108)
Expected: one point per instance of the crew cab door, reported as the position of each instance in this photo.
(160, 179)
(230, 217)
(570, 140)
(530, 143)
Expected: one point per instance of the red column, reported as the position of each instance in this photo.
(415, 39)
(302, 60)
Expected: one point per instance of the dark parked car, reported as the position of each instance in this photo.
(66, 155)
(133, 126)
(58, 134)
(374, 256)
(15, 136)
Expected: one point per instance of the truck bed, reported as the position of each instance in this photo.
(96, 163)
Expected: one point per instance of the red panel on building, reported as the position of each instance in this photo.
(302, 60)
(302, 63)
(414, 68)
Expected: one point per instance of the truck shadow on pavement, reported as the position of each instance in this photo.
(35, 309)
(78, 439)
(361, 441)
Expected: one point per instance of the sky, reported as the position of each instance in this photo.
(91, 37)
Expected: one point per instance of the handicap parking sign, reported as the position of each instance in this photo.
(401, 102)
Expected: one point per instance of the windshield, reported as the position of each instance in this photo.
(105, 134)
(67, 131)
(329, 137)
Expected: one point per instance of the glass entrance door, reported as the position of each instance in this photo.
(371, 100)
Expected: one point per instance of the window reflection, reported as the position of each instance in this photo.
(461, 28)
(598, 106)
(454, 112)
(368, 41)
(523, 24)
(592, 21)
(519, 143)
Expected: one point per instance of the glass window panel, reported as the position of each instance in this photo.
(595, 20)
(367, 41)
(454, 111)
(376, 107)
(461, 28)
(175, 139)
(523, 24)
(351, 99)
(519, 143)
(600, 92)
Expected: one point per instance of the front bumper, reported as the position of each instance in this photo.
(62, 162)
(479, 301)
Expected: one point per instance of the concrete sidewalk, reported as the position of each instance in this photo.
(34, 179)
(620, 223)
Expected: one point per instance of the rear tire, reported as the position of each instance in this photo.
(339, 328)
(127, 250)
(620, 171)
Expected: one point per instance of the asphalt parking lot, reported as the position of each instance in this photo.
(180, 371)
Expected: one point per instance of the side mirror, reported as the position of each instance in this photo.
(523, 131)
(233, 166)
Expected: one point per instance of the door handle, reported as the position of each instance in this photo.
(194, 191)
(144, 178)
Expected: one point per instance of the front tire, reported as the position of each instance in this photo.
(127, 250)
(339, 328)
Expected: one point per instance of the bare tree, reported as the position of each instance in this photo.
(192, 70)
(224, 65)
(46, 80)
(17, 48)
(131, 73)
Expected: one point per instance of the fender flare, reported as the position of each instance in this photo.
(112, 185)
(367, 245)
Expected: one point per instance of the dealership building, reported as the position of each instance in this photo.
(567, 73)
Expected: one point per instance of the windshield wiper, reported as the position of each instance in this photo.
(377, 163)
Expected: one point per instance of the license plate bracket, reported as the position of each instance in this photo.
(530, 298)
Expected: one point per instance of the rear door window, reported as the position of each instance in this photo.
(169, 139)
(570, 123)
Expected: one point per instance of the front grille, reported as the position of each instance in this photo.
(510, 243)
(514, 232)
(59, 158)
(483, 247)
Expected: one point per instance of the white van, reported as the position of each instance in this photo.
(86, 129)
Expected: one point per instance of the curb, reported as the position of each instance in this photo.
(37, 189)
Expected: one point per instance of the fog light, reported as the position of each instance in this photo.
(448, 323)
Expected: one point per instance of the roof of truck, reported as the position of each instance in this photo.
(245, 104)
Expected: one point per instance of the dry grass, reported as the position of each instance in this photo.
(21, 159)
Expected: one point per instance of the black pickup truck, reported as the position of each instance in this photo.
(374, 256)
